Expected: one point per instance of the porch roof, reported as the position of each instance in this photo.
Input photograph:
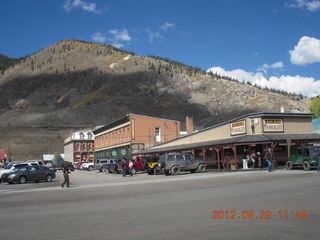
(240, 140)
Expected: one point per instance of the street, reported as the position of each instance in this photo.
(247, 205)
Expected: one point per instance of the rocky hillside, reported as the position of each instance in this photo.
(74, 84)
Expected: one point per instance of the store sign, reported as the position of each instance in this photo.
(272, 125)
(237, 128)
(114, 153)
(123, 152)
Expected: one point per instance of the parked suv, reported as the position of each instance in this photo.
(306, 157)
(99, 164)
(153, 165)
(173, 163)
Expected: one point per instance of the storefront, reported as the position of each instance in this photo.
(223, 145)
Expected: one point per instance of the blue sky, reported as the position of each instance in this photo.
(273, 43)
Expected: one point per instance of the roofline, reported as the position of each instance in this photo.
(258, 114)
(127, 117)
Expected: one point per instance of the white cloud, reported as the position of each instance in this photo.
(153, 35)
(307, 86)
(307, 51)
(86, 6)
(167, 26)
(264, 68)
(119, 37)
(309, 5)
(99, 37)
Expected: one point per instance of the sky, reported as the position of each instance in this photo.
(271, 43)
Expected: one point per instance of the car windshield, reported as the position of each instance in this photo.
(8, 166)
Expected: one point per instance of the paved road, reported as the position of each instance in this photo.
(100, 206)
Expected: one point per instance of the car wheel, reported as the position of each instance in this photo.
(49, 178)
(175, 170)
(201, 168)
(22, 180)
(289, 165)
(157, 171)
(133, 170)
(306, 166)
(167, 173)
(150, 171)
(90, 168)
(100, 170)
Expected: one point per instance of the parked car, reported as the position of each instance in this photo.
(87, 165)
(13, 166)
(174, 163)
(29, 173)
(138, 165)
(306, 157)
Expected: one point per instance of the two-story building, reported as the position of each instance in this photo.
(133, 133)
(226, 142)
(79, 146)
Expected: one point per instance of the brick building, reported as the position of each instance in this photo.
(79, 146)
(133, 133)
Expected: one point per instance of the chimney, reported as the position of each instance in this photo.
(189, 124)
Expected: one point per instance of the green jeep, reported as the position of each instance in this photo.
(306, 157)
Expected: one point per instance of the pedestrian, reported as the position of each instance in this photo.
(269, 158)
(259, 158)
(318, 168)
(130, 167)
(253, 159)
(245, 160)
(124, 167)
(66, 173)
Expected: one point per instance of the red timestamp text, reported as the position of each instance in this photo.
(259, 214)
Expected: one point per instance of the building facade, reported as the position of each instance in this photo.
(227, 142)
(131, 134)
(79, 146)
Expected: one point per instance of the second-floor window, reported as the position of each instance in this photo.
(81, 136)
(158, 134)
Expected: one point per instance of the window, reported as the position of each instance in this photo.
(89, 135)
(81, 136)
(84, 146)
(158, 134)
(78, 147)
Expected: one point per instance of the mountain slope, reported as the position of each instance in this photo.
(75, 84)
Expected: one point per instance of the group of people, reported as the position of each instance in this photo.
(256, 160)
(124, 167)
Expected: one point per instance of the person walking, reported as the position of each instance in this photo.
(124, 167)
(269, 158)
(66, 173)
(130, 167)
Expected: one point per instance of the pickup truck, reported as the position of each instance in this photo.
(139, 164)
(88, 165)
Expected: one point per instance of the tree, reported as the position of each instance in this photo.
(314, 106)
(57, 157)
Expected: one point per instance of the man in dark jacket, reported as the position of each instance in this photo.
(66, 173)
(269, 158)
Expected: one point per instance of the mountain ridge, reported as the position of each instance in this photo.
(76, 84)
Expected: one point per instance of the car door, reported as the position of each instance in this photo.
(33, 173)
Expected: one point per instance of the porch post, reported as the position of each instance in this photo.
(234, 149)
(218, 149)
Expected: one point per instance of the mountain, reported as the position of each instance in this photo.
(5, 62)
(75, 84)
